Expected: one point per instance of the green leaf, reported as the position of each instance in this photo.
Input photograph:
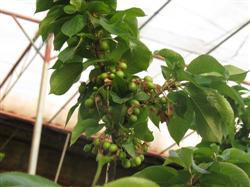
(131, 182)
(225, 111)
(236, 74)
(154, 117)
(67, 54)
(87, 126)
(208, 121)
(141, 126)
(206, 64)
(129, 147)
(158, 174)
(78, 4)
(228, 91)
(62, 79)
(235, 156)
(166, 72)
(245, 167)
(19, 179)
(173, 59)
(123, 23)
(74, 25)
(138, 57)
(178, 127)
(120, 48)
(225, 174)
(42, 5)
(118, 99)
(182, 157)
(141, 96)
(50, 23)
(70, 113)
(70, 9)
(142, 132)
(111, 3)
(59, 40)
(98, 7)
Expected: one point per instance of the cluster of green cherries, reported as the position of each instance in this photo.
(113, 151)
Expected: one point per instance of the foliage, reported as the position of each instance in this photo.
(10, 179)
(204, 165)
(204, 95)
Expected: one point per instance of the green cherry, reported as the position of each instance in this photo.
(137, 160)
(104, 45)
(96, 142)
(89, 102)
(82, 87)
(126, 163)
(136, 111)
(150, 85)
(134, 102)
(133, 118)
(148, 79)
(112, 75)
(120, 74)
(87, 148)
(163, 100)
(106, 145)
(104, 75)
(123, 65)
(122, 155)
(113, 148)
(132, 87)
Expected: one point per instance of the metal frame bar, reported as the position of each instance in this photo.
(27, 36)
(155, 14)
(27, 18)
(40, 108)
(19, 76)
(18, 61)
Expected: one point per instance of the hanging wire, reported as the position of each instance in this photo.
(155, 14)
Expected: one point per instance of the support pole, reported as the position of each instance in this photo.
(58, 171)
(40, 108)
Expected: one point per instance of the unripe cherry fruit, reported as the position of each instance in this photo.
(134, 102)
(96, 142)
(126, 163)
(150, 85)
(122, 155)
(133, 118)
(112, 75)
(148, 79)
(163, 100)
(89, 102)
(106, 145)
(87, 148)
(136, 111)
(82, 87)
(120, 74)
(104, 75)
(132, 87)
(113, 148)
(104, 45)
(142, 157)
(123, 65)
(137, 161)
(112, 69)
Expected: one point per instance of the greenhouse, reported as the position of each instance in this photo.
(124, 93)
